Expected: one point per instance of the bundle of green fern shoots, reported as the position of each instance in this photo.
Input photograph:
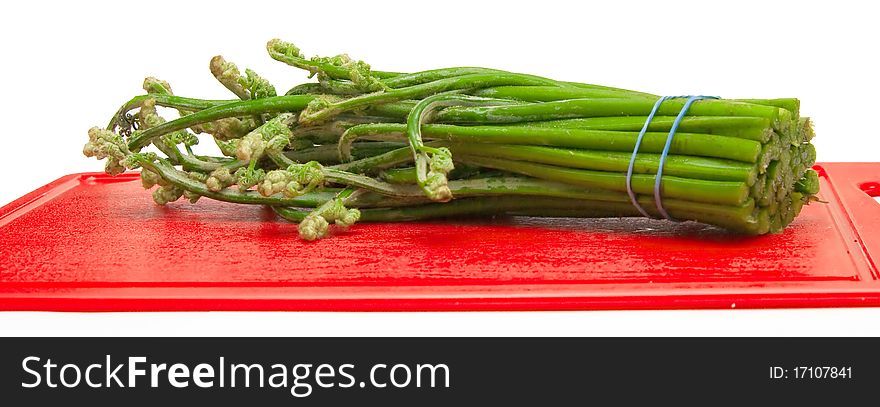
(358, 144)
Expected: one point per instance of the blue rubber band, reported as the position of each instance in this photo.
(632, 159)
(658, 200)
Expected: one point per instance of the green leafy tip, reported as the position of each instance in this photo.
(157, 86)
(436, 184)
(436, 187)
(228, 75)
(147, 117)
(358, 72)
(315, 107)
(281, 49)
(251, 147)
(327, 68)
(133, 161)
(296, 180)
(150, 179)
(277, 181)
(313, 227)
(256, 86)
(250, 86)
(317, 223)
(247, 177)
(219, 179)
(441, 160)
(270, 136)
(167, 194)
(182, 137)
(227, 148)
(193, 197)
(229, 128)
(310, 174)
(107, 144)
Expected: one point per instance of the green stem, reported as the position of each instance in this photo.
(372, 184)
(190, 162)
(350, 179)
(416, 119)
(533, 187)
(274, 104)
(418, 78)
(176, 102)
(329, 153)
(717, 192)
(328, 87)
(314, 66)
(182, 180)
(377, 162)
(407, 175)
(551, 93)
(464, 82)
(704, 145)
(737, 218)
(791, 104)
(576, 108)
(751, 128)
(676, 165)
(294, 215)
(625, 92)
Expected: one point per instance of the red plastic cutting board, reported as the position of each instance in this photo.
(91, 242)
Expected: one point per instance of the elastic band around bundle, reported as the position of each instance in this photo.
(658, 200)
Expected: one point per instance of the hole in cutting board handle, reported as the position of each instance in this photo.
(872, 189)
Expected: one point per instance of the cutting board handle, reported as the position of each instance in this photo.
(854, 186)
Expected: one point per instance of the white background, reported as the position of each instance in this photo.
(67, 66)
